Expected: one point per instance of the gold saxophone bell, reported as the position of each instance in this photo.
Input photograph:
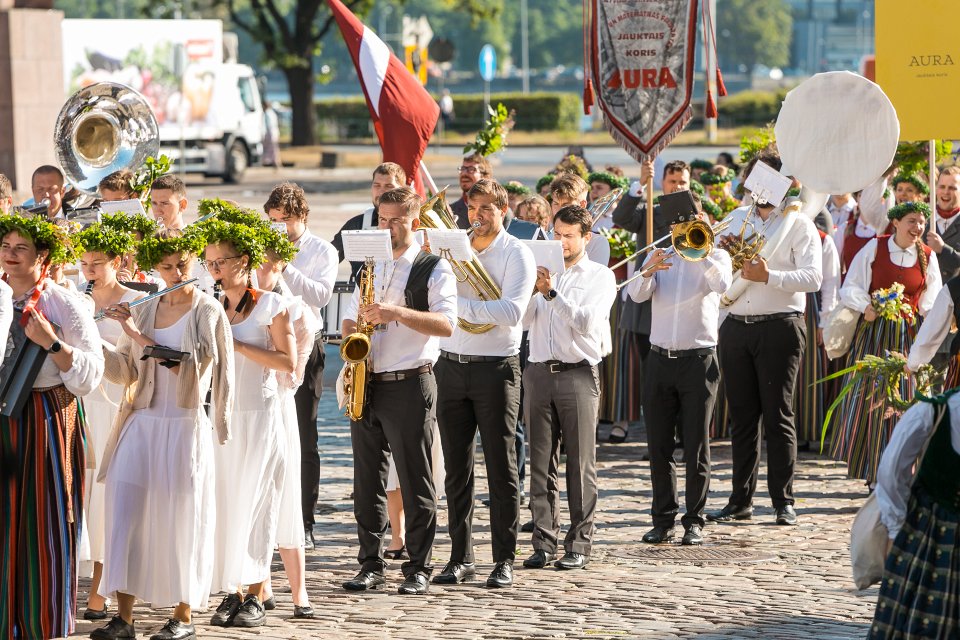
(355, 350)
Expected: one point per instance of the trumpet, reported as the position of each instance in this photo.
(692, 241)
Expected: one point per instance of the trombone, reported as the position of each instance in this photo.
(693, 241)
(599, 207)
(641, 251)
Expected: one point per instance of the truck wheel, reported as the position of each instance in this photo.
(237, 162)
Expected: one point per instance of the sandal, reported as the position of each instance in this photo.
(396, 554)
(618, 434)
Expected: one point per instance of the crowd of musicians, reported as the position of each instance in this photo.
(168, 444)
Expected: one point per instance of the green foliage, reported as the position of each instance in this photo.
(906, 208)
(754, 32)
(751, 108)
(622, 242)
(265, 235)
(245, 240)
(349, 118)
(138, 223)
(143, 179)
(152, 249)
(493, 136)
(615, 182)
(753, 143)
(100, 238)
(230, 212)
(913, 157)
(45, 235)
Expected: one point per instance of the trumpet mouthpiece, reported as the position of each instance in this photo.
(475, 225)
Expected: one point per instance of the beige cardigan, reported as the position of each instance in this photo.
(208, 341)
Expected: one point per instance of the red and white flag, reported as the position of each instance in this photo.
(404, 115)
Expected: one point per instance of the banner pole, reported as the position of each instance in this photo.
(649, 225)
(931, 179)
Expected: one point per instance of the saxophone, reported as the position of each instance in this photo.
(355, 350)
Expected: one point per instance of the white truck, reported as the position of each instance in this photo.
(209, 110)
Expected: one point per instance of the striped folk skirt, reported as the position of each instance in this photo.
(620, 373)
(809, 398)
(920, 591)
(41, 504)
(861, 426)
(953, 373)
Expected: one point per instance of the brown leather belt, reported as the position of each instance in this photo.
(397, 376)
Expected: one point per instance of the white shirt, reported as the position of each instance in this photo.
(685, 307)
(511, 265)
(841, 213)
(895, 474)
(598, 249)
(830, 285)
(574, 326)
(795, 269)
(398, 347)
(874, 206)
(313, 271)
(855, 292)
(934, 330)
(6, 315)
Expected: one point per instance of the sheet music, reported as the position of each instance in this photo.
(451, 244)
(358, 246)
(767, 184)
(129, 207)
(548, 254)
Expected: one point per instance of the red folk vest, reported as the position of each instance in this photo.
(886, 273)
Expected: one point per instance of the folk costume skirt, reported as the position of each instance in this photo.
(920, 592)
(809, 399)
(41, 506)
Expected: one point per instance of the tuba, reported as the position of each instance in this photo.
(104, 128)
(434, 214)
(355, 350)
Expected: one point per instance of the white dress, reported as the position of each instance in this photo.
(160, 510)
(100, 408)
(250, 466)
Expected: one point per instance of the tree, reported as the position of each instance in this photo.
(754, 32)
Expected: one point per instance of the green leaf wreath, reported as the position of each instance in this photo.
(101, 238)
(136, 223)
(493, 136)
(44, 234)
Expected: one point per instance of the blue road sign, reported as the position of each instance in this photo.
(488, 62)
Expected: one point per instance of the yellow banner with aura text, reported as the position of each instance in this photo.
(918, 66)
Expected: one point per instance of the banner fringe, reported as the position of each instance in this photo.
(635, 152)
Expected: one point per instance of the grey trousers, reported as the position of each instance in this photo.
(562, 405)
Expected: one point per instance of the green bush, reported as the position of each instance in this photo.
(753, 108)
(349, 118)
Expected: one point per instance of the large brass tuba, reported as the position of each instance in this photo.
(355, 350)
(434, 214)
(104, 128)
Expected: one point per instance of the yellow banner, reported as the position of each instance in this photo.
(918, 66)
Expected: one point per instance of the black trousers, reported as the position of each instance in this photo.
(760, 362)
(679, 395)
(307, 399)
(562, 404)
(484, 397)
(398, 419)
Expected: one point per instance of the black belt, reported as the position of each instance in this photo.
(682, 353)
(555, 366)
(397, 376)
(462, 359)
(765, 318)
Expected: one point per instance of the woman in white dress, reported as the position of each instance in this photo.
(250, 467)
(158, 461)
(102, 250)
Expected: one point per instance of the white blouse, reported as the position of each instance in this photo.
(830, 285)
(855, 292)
(6, 314)
(936, 325)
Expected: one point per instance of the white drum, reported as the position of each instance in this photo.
(334, 311)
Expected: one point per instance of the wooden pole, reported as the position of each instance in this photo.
(649, 225)
(932, 180)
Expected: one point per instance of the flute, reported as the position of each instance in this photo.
(100, 316)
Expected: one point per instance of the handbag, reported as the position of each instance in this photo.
(838, 331)
(868, 535)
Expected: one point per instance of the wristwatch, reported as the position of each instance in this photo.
(55, 347)
(550, 295)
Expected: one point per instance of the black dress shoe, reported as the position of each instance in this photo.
(502, 575)
(539, 559)
(365, 580)
(786, 515)
(250, 613)
(571, 560)
(116, 628)
(416, 584)
(270, 604)
(227, 609)
(730, 512)
(304, 613)
(527, 527)
(455, 573)
(94, 614)
(693, 535)
(658, 535)
(175, 630)
(309, 544)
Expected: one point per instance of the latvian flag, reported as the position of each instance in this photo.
(404, 114)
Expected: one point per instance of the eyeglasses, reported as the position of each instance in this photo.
(218, 264)
(472, 168)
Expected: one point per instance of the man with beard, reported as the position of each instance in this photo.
(472, 168)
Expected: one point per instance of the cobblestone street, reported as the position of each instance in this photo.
(750, 580)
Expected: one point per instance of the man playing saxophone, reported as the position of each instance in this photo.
(412, 302)
(479, 385)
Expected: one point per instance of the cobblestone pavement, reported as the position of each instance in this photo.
(752, 580)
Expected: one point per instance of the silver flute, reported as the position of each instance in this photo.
(100, 316)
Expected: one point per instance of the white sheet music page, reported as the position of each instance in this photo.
(767, 184)
(129, 207)
(359, 246)
(547, 254)
(453, 244)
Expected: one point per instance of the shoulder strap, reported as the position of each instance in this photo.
(416, 292)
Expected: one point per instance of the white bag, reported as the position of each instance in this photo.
(838, 331)
(868, 544)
